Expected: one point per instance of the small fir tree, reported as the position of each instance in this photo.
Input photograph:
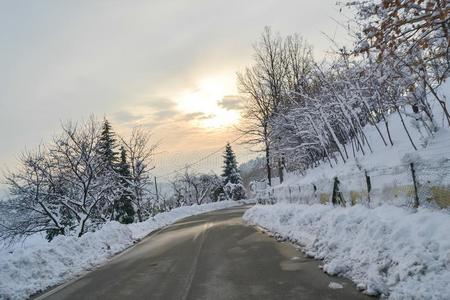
(124, 207)
(107, 145)
(109, 163)
(230, 168)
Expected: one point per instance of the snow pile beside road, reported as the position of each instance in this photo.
(387, 250)
(33, 267)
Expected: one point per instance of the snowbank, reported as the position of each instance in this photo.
(35, 266)
(387, 250)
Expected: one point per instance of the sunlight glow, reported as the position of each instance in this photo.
(203, 102)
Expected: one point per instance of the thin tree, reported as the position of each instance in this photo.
(140, 154)
(263, 84)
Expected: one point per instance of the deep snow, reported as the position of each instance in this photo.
(35, 265)
(388, 250)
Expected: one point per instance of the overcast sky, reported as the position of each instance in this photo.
(166, 65)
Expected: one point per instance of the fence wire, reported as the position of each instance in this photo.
(407, 184)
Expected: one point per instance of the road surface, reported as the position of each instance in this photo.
(210, 256)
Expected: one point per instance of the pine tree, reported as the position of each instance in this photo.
(107, 145)
(108, 171)
(124, 207)
(230, 168)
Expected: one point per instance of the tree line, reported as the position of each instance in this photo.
(89, 175)
(192, 188)
(86, 176)
(302, 112)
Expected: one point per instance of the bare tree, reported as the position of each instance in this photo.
(83, 174)
(140, 152)
(416, 33)
(63, 187)
(191, 188)
(32, 206)
(264, 85)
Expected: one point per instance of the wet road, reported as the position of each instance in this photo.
(210, 256)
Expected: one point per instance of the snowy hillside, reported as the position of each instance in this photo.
(389, 169)
(378, 240)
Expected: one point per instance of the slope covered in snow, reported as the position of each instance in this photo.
(378, 240)
(389, 168)
(36, 265)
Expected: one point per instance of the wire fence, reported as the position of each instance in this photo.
(410, 184)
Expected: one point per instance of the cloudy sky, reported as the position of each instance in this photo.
(167, 65)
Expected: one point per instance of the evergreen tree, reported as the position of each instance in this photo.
(124, 207)
(230, 168)
(108, 171)
(107, 145)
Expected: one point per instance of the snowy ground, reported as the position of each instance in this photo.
(387, 250)
(35, 265)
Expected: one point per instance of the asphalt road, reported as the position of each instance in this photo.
(210, 256)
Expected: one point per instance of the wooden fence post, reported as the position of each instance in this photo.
(337, 197)
(369, 185)
(315, 191)
(416, 194)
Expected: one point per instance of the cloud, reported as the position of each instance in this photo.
(160, 103)
(165, 114)
(231, 102)
(126, 117)
(153, 110)
(195, 116)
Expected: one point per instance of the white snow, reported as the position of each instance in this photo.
(35, 265)
(386, 250)
(335, 286)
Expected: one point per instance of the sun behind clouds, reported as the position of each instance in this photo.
(205, 98)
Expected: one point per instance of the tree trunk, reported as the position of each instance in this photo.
(269, 173)
(280, 171)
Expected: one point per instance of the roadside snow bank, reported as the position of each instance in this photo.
(28, 270)
(387, 250)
